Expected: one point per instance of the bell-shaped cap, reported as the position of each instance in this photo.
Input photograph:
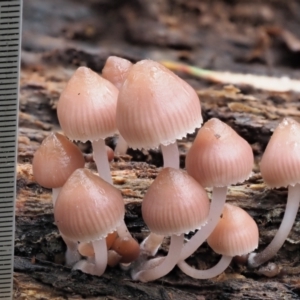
(115, 70)
(280, 164)
(156, 107)
(88, 208)
(175, 203)
(87, 107)
(235, 234)
(219, 156)
(55, 160)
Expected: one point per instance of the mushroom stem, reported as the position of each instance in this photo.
(121, 147)
(151, 244)
(123, 231)
(206, 274)
(113, 258)
(72, 255)
(99, 266)
(257, 259)
(170, 155)
(100, 157)
(100, 249)
(166, 265)
(216, 208)
(55, 192)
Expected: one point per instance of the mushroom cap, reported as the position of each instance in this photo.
(219, 156)
(86, 249)
(235, 234)
(175, 203)
(127, 247)
(280, 163)
(55, 160)
(88, 208)
(87, 106)
(115, 70)
(156, 107)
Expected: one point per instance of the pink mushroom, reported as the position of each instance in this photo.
(280, 167)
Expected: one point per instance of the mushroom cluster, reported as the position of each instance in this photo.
(149, 107)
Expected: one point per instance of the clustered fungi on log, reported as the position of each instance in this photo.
(151, 107)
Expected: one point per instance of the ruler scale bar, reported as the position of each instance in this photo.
(7, 103)
(3, 204)
(3, 65)
(10, 36)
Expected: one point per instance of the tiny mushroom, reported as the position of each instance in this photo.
(174, 204)
(280, 167)
(54, 162)
(86, 111)
(156, 107)
(87, 210)
(127, 247)
(235, 234)
(218, 158)
(115, 70)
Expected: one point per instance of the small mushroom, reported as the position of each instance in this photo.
(127, 247)
(87, 210)
(174, 204)
(54, 162)
(86, 111)
(115, 70)
(280, 167)
(235, 234)
(156, 107)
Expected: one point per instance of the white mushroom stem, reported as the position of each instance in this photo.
(216, 209)
(113, 258)
(151, 244)
(122, 146)
(257, 259)
(100, 158)
(166, 265)
(100, 263)
(170, 154)
(206, 274)
(72, 255)
(100, 249)
(123, 231)
(55, 192)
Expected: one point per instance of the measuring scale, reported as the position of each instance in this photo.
(10, 33)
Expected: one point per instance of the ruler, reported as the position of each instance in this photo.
(10, 36)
